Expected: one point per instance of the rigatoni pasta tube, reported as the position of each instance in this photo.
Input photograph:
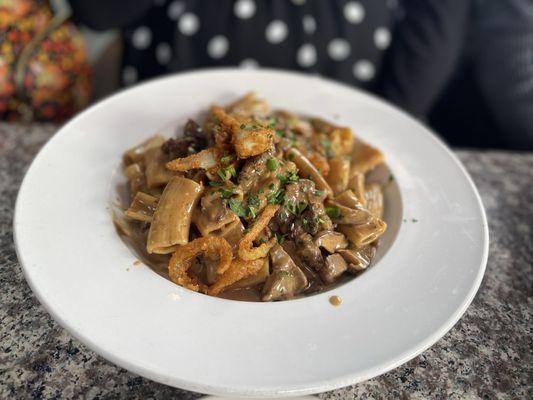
(361, 235)
(356, 183)
(364, 157)
(308, 170)
(374, 199)
(142, 207)
(135, 174)
(155, 170)
(136, 153)
(172, 218)
(208, 227)
(339, 174)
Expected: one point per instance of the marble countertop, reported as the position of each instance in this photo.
(486, 355)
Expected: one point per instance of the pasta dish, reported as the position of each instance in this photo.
(254, 204)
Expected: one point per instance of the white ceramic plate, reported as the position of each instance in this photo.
(80, 270)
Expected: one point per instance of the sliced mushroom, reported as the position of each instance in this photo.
(359, 259)
(335, 267)
(286, 280)
(309, 251)
(315, 283)
(331, 241)
(213, 206)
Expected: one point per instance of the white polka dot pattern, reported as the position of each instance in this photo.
(249, 63)
(309, 24)
(175, 9)
(306, 55)
(382, 38)
(188, 24)
(244, 9)
(354, 12)
(276, 31)
(217, 47)
(141, 38)
(364, 70)
(163, 53)
(129, 75)
(339, 49)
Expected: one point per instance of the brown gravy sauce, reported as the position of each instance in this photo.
(135, 238)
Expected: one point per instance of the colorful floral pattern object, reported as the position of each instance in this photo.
(55, 78)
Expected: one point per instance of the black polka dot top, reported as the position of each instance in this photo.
(404, 50)
(344, 40)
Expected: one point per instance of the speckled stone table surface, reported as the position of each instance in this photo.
(488, 354)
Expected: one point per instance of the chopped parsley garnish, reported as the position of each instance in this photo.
(296, 208)
(272, 122)
(227, 193)
(251, 213)
(250, 127)
(280, 237)
(221, 174)
(280, 133)
(226, 159)
(326, 144)
(333, 212)
(391, 178)
(216, 183)
(319, 193)
(254, 200)
(237, 207)
(292, 176)
(272, 164)
(271, 186)
(231, 169)
(275, 197)
(414, 220)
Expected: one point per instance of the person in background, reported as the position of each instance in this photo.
(405, 52)
(463, 66)
(44, 74)
(489, 100)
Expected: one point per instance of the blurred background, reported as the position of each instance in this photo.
(464, 67)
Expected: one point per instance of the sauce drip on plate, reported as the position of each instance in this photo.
(335, 301)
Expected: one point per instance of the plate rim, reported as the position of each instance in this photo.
(318, 386)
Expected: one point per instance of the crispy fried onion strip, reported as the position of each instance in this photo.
(239, 269)
(246, 250)
(225, 119)
(248, 137)
(205, 159)
(183, 257)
